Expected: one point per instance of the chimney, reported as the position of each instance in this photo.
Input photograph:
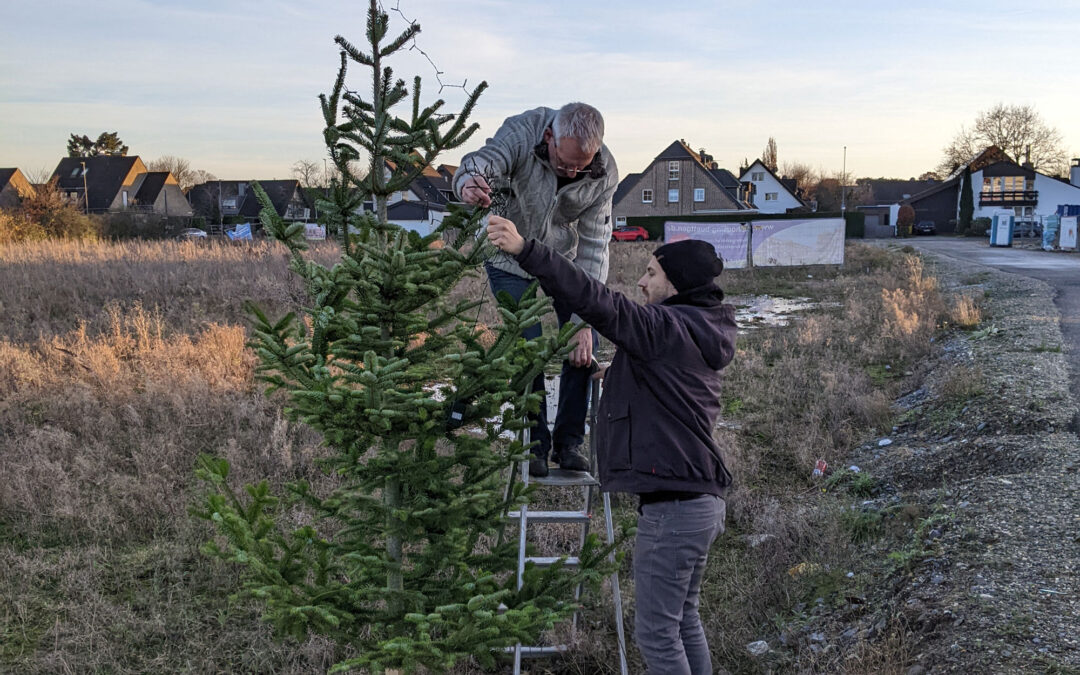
(1074, 172)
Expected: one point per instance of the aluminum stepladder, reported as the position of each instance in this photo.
(589, 488)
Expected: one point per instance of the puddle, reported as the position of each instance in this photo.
(765, 310)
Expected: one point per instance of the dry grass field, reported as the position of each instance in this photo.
(121, 362)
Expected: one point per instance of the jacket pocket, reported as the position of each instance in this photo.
(614, 432)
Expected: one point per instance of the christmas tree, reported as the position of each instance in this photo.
(404, 562)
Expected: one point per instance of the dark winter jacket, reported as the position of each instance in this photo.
(662, 392)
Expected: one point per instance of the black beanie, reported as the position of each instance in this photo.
(689, 263)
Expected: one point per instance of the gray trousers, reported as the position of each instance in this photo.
(670, 552)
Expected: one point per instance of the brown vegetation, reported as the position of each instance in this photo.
(120, 363)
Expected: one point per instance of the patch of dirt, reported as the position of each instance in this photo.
(979, 492)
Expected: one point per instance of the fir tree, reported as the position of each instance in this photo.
(403, 563)
(967, 203)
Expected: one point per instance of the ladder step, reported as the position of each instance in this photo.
(548, 561)
(551, 516)
(565, 477)
(538, 652)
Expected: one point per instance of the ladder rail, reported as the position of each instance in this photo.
(589, 487)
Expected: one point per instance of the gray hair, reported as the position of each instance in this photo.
(582, 122)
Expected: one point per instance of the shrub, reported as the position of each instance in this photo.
(905, 218)
(47, 213)
(979, 227)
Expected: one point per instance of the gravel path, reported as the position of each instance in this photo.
(999, 591)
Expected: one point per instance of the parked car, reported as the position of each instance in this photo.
(630, 233)
(191, 233)
(1027, 228)
(924, 227)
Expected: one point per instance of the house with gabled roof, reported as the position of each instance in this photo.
(14, 187)
(769, 193)
(997, 183)
(216, 200)
(422, 206)
(884, 196)
(159, 192)
(112, 183)
(99, 184)
(677, 182)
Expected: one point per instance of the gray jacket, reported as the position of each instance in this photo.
(575, 221)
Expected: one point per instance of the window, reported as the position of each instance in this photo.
(124, 194)
(75, 172)
(673, 171)
(757, 176)
(770, 196)
(699, 194)
(620, 221)
(673, 195)
(646, 196)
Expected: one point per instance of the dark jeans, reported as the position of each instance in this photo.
(569, 429)
(670, 552)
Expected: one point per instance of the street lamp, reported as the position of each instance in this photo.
(843, 185)
(86, 196)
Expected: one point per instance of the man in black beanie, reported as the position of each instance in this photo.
(654, 427)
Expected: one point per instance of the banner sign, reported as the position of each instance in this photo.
(815, 241)
(729, 239)
(314, 232)
(802, 241)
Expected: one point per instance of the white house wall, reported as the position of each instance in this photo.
(1052, 193)
(784, 200)
(422, 227)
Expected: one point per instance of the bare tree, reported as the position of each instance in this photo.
(39, 176)
(199, 176)
(181, 170)
(1018, 130)
(805, 176)
(308, 173)
(768, 157)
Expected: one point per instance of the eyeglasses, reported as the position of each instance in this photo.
(569, 170)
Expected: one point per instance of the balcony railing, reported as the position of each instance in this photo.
(1009, 198)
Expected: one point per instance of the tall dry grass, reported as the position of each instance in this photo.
(52, 287)
(121, 362)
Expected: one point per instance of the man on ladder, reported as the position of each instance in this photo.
(562, 178)
(656, 417)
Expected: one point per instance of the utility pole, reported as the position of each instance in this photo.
(843, 185)
(86, 196)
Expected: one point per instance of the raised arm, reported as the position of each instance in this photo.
(497, 158)
(639, 329)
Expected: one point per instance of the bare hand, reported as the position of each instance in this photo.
(475, 190)
(503, 234)
(581, 355)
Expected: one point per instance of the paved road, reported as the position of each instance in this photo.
(1060, 270)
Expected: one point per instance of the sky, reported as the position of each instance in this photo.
(232, 85)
